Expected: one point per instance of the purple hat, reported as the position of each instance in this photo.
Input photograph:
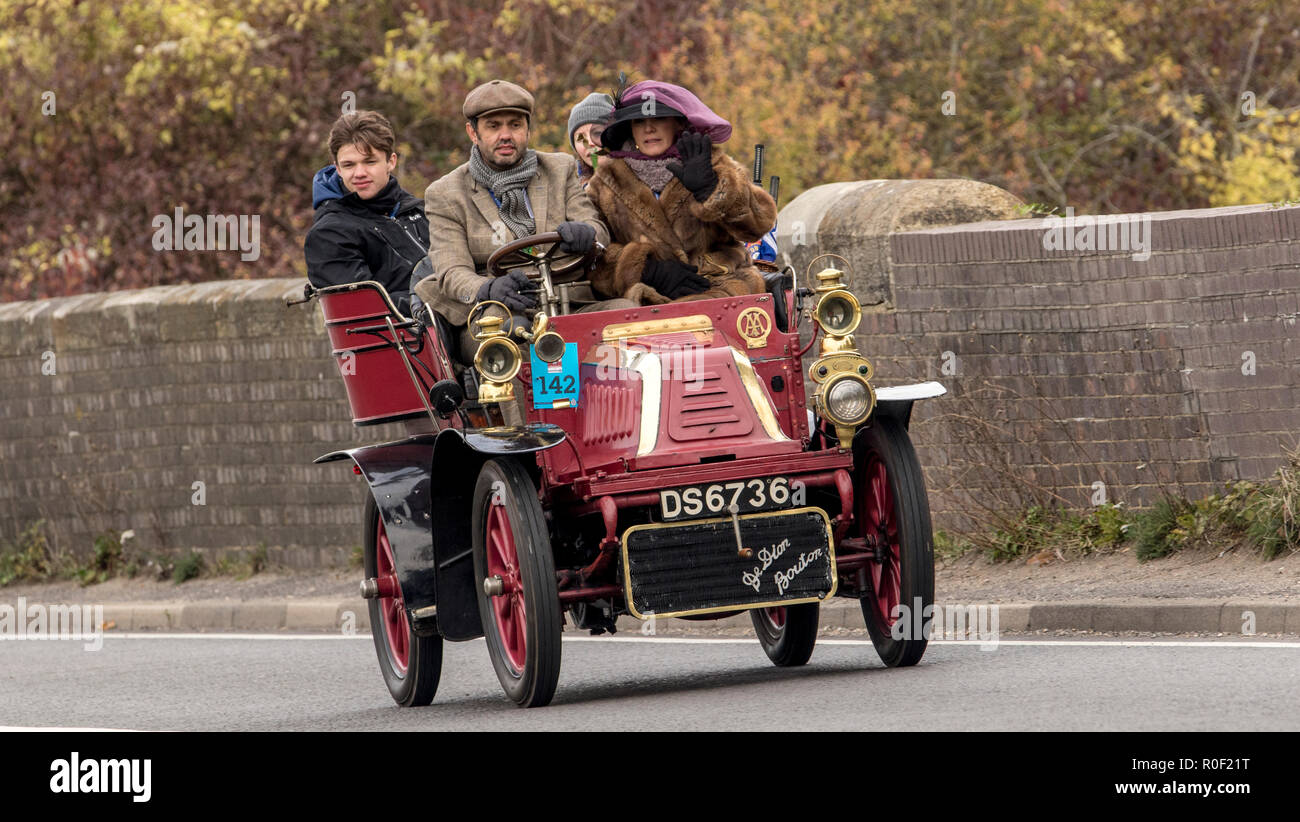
(651, 98)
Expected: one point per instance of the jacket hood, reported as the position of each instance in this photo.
(326, 186)
(327, 192)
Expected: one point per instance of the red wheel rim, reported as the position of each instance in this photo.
(502, 561)
(776, 616)
(393, 609)
(880, 523)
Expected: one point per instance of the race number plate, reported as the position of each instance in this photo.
(555, 384)
(715, 499)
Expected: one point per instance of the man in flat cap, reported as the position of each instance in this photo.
(505, 191)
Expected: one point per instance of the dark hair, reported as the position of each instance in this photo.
(363, 128)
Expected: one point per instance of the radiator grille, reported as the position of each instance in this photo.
(696, 568)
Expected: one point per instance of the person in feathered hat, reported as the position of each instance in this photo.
(679, 210)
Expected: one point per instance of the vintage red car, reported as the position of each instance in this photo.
(675, 461)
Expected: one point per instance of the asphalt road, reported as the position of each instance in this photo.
(197, 682)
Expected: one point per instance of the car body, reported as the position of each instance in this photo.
(674, 461)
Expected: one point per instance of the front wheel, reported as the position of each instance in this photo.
(893, 516)
(787, 632)
(515, 573)
(411, 664)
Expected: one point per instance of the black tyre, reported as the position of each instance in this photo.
(411, 665)
(787, 633)
(522, 624)
(893, 514)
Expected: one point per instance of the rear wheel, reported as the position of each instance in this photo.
(512, 555)
(787, 632)
(411, 665)
(893, 516)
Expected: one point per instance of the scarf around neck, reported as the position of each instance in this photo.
(510, 186)
(653, 171)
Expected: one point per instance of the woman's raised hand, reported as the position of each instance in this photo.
(696, 167)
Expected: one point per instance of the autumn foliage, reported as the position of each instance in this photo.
(114, 113)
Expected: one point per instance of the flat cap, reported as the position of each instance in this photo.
(497, 95)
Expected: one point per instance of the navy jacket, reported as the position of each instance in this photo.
(352, 239)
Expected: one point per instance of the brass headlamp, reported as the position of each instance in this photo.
(844, 395)
(498, 359)
(549, 345)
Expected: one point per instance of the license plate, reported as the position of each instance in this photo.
(716, 499)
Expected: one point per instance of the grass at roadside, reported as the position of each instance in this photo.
(32, 558)
(1263, 517)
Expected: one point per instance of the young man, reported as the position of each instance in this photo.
(505, 191)
(367, 227)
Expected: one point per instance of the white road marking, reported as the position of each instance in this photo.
(20, 729)
(1226, 642)
(115, 635)
(974, 643)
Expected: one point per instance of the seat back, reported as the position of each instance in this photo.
(378, 383)
(779, 284)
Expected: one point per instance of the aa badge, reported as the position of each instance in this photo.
(754, 325)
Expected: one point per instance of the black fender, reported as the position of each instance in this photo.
(424, 486)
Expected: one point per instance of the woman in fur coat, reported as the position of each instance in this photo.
(679, 210)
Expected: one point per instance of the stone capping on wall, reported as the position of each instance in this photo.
(857, 219)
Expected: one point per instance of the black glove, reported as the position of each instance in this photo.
(576, 238)
(506, 290)
(696, 168)
(673, 279)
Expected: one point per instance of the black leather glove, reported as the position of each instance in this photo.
(506, 290)
(673, 279)
(696, 167)
(576, 238)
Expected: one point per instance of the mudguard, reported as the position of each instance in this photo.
(424, 488)
(896, 400)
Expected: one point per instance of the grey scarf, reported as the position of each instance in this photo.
(509, 186)
(653, 171)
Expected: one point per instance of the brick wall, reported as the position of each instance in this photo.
(1065, 368)
(156, 390)
(1068, 368)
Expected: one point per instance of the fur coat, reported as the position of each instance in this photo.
(710, 235)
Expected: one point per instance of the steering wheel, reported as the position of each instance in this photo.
(513, 255)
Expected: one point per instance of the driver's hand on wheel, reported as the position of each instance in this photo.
(576, 238)
(673, 279)
(514, 290)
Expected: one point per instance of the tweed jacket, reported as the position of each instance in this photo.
(710, 235)
(463, 219)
